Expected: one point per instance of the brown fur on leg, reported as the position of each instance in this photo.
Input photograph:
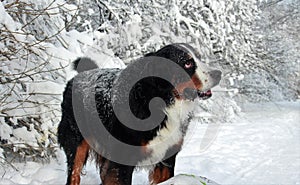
(112, 173)
(112, 177)
(159, 174)
(80, 159)
(163, 170)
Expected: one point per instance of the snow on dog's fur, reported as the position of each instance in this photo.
(156, 143)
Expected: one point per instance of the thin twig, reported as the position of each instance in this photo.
(9, 163)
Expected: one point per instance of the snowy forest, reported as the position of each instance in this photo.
(256, 44)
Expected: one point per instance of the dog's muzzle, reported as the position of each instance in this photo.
(192, 94)
(204, 95)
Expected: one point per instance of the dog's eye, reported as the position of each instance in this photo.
(188, 65)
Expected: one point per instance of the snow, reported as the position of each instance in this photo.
(262, 146)
(25, 135)
(5, 131)
(5, 19)
(45, 87)
(188, 179)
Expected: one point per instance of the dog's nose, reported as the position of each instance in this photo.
(215, 75)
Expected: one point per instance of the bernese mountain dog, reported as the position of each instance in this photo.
(157, 146)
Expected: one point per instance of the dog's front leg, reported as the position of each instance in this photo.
(116, 174)
(162, 171)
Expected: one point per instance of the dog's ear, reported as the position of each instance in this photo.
(150, 54)
(165, 52)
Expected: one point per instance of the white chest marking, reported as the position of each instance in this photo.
(171, 134)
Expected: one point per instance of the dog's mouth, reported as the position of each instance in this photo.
(203, 95)
(192, 94)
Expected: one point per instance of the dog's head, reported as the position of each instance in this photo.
(202, 78)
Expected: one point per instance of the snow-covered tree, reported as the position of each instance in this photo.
(216, 28)
(281, 39)
(37, 44)
(274, 75)
(31, 76)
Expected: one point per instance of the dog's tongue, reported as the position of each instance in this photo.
(204, 95)
(208, 93)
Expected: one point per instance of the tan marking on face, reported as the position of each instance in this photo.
(193, 83)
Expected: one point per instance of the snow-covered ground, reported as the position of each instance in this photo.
(260, 147)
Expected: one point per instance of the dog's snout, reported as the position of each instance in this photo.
(190, 93)
(216, 75)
